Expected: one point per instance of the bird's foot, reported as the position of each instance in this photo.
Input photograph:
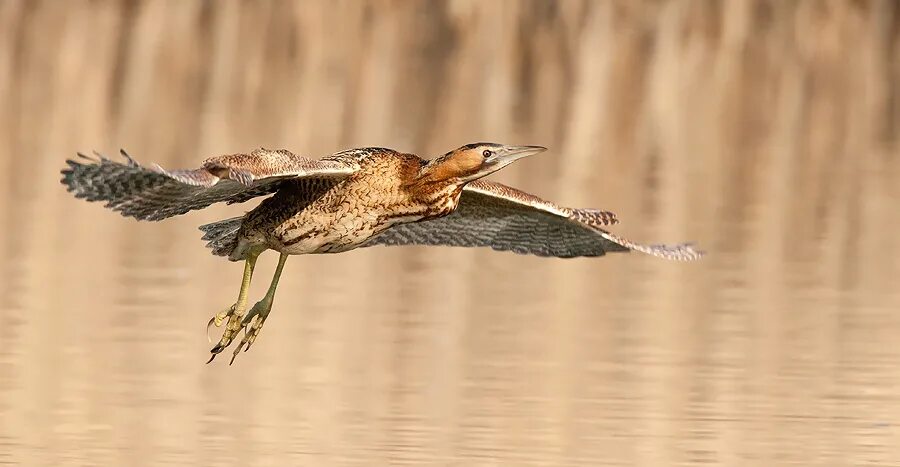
(234, 318)
(251, 323)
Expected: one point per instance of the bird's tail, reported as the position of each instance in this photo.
(222, 236)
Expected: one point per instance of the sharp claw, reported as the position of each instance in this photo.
(209, 339)
(237, 350)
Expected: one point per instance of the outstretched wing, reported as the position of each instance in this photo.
(153, 193)
(504, 218)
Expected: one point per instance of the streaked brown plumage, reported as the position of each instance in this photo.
(351, 199)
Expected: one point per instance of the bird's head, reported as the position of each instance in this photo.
(473, 161)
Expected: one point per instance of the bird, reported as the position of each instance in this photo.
(355, 198)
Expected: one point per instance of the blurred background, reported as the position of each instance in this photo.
(767, 131)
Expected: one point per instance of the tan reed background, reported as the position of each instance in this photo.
(768, 131)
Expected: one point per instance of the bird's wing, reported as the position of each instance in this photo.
(504, 218)
(153, 193)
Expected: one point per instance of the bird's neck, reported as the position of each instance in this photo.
(439, 197)
(436, 186)
(443, 200)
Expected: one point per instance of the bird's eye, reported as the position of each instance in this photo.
(487, 153)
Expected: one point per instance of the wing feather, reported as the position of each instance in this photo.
(153, 193)
(506, 219)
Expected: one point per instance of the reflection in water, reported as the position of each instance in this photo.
(776, 150)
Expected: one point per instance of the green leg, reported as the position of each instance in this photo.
(260, 311)
(235, 313)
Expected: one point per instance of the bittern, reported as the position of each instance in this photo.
(351, 199)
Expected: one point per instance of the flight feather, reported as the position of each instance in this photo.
(153, 193)
(506, 219)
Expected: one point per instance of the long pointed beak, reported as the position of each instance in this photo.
(507, 154)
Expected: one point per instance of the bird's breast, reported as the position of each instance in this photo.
(356, 210)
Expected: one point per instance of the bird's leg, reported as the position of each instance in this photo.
(257, 315)
(235, 313)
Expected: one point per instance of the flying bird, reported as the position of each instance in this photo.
(352, 199)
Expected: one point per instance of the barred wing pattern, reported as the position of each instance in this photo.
(153, 193)
(506, 219)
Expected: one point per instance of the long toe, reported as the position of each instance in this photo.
(219, 318)
(250, 334)
(253, 331)
(244, 341)
(234, 325)
(253, 323)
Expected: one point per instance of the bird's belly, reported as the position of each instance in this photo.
(327, 242)
(341, 234)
